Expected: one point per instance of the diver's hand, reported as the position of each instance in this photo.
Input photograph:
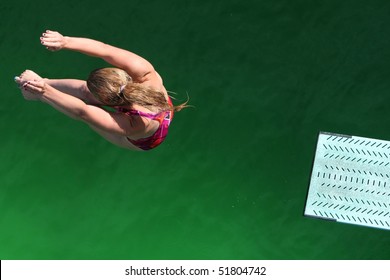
(22, 80)
(35, 87)
(28, 95)
(53, 40)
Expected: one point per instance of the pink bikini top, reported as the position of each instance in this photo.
(164, 118)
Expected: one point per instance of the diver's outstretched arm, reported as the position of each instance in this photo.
(136, 66)
(74, 87)
(108, 122)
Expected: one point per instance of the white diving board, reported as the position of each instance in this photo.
(350, 181)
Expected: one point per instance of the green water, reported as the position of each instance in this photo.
(231, 179)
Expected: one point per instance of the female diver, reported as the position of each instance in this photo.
(141, 111)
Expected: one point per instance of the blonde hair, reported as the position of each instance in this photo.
(114, 87)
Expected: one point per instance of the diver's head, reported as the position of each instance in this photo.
(107, 85)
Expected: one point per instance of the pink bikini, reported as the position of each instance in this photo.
(164, 118)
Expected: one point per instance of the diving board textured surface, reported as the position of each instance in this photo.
(350, 181)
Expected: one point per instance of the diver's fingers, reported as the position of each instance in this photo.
(34, 87)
